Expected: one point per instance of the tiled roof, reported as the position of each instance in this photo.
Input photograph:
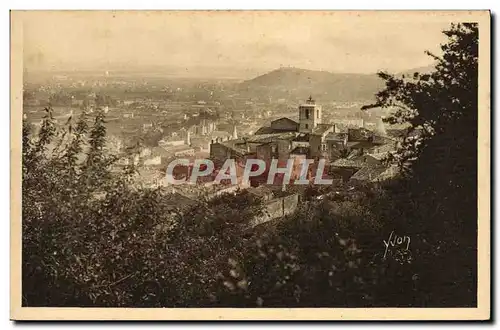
(265, 130)
(270, 137)
(368, 173)
(335, 136)
(390, 172)
(242, 145)
(352, 163)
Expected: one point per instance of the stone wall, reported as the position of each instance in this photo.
(277, 208)
(290, 204)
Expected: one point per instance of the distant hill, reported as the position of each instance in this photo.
(299, 84)
(293, 83)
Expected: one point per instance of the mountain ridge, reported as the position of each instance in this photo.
(297, 83)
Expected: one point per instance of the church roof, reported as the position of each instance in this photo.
(266, 130)
(284, 119)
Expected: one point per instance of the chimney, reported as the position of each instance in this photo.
(188, 138)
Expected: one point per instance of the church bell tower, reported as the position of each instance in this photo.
(309, 116)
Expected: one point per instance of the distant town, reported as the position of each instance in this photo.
(151, 121)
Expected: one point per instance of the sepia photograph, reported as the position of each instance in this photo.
(250, 165)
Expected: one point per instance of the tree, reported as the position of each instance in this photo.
(91, 239)
(438, 197)
(83, 227)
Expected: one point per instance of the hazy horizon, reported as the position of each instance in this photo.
(235, 44)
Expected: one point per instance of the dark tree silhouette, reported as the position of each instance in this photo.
(440, 162)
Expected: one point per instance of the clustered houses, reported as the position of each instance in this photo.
(354, 154)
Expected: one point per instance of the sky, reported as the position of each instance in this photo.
(241, 43)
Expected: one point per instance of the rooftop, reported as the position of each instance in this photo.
(262, 138)
(351, 144)
(359, 134)
(390, 172)
(335, 136)
(361, 144)
(350, 163)
(265, 130)
(284, 118)
(369, 173)
(322, 128)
